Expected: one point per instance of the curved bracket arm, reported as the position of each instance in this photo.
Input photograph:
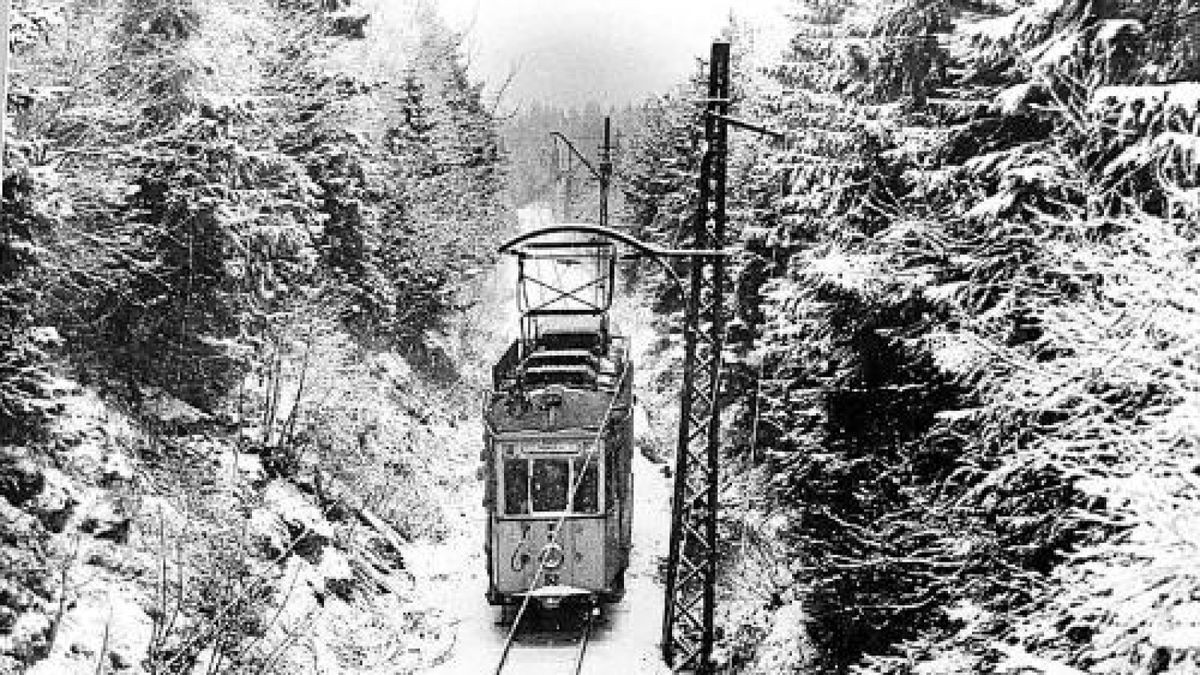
(656, 253)
(579, 155)
(616, 235)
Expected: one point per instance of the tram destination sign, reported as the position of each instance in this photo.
(550, 446)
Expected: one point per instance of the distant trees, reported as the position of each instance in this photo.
(658, 174)
(543, 168)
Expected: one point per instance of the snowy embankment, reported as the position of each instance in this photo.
(172, 544)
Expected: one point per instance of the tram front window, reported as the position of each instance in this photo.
(516, 487)
(551, 483)
(543, 485)
(587, 494)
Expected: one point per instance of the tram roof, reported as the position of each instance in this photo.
(581, 409)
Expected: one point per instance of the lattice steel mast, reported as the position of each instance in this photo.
(688, 617)
(687, 639)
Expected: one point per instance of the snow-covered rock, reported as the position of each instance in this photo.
(1182, 632)
(335, 573)
(105, 519)
(1185, 638)
(308, 530)
(16, 526)
(118, 468)
(267, 532)
(56, 502)
(786, 647)
(20, 477)
(29, 637)
(242, 466)
(1018, 661)
(165, 409)
(45, 337)
(104, 616)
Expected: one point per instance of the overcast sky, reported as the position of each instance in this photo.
(608, 51)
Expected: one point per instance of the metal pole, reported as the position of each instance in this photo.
(567, 176)
(605, 171)
(5, 14)
(602, 172)
(718, 86)
(689, 612)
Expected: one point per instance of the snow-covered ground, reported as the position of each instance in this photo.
(451, 576)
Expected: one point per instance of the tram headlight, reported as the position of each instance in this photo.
(552, 556)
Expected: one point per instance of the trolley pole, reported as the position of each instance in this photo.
(688, 625)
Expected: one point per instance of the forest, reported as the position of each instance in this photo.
(243, 281)
(961, 368)
(231, 231)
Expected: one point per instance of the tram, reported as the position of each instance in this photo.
(558, 437)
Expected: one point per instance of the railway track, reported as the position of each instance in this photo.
(537, 658)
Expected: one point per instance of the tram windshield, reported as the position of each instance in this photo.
(535, 485)
(549, 485)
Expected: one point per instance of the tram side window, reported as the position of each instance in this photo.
(551, 483)
(516, 487)
(587, 495)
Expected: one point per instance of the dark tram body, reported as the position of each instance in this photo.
(558, 437)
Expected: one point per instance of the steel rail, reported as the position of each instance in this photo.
(583, 639)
